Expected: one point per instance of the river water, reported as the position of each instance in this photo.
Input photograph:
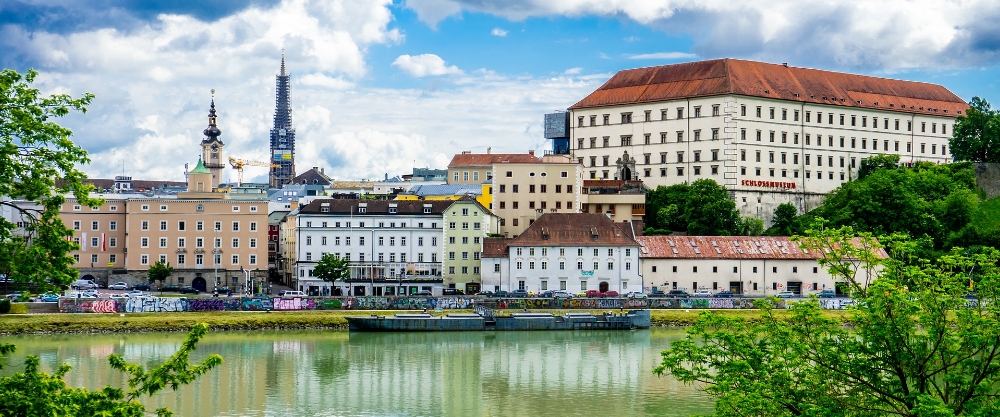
(336, 373)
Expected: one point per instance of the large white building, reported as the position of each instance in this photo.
(394, 247)
(748, 265)
(574, 252)
(769, 133)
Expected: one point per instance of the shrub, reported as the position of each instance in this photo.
(4, 306)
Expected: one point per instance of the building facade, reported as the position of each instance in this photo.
(473, 168)
(574, 252)
(769, 133)
(522, 192)
(394, 247)
(466, 224)
(747, 265)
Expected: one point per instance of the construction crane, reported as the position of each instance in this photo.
(240, 163)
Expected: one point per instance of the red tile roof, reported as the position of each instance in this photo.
(759, 79)
(496, 247)
(488, 159)
(574, 229)
(724, 247)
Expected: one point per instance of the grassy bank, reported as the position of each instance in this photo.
(235, 320)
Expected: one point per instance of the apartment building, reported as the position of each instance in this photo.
(574, 252)
(769, 133)
(466, 223)
(522, 192)
(473, 168)
(749, 265)
(394, 247)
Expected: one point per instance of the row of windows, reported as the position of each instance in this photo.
(465, 240)
(562, 265)
(544, 285)
(465, 270)
(382, 240)
(96, 242)
(199, 259)
(381, 256)
(715, 269)
(465, 225)
(199, 242)
(520, 251)
(853, 120)
(626, 117)
(465, 256)
(475, 175)
(361, 225)
(95, 259)
(563, 174)
(542, 188)
(531, 205)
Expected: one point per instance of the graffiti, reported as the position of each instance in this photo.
(293, 304)
(329, 305)
(256, 304)
(451, 303)
(203, 304)
(77, 305)
(155, 304)
(609, 303)
(835, 303)
(720, 303)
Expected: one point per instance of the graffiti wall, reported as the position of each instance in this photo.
(172, 304)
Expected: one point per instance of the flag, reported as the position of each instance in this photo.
(104, 245)
(83, 243)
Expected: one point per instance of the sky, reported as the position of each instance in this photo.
(380, 87)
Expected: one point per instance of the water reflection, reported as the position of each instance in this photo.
(412, 374)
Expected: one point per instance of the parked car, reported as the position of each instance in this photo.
(828, 294)
(678, 294)
(141, 287)
(189, 290)
(561, 294)
(13, 296)
(518, 294)
(593, 294)
(118, 286)
(290, 293)
(636, 294)
(102, 284)
(48, 298)
(135, 293)
(611, 293)
(702, 294)
(787, 294)
(83, 284)
(171, 287)
(423, 293)
(453, 291)
(724, 294)
(499, 294)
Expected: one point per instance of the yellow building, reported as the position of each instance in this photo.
(482, 193)
(466, 224)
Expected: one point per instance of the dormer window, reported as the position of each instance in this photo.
(362, 209)
(392, 209)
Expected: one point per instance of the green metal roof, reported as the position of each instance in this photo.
(200, 169)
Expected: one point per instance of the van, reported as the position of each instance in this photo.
(293, 294)
(83, 284)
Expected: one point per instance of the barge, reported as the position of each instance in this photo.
(484, 319)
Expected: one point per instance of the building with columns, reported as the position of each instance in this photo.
(770, 133)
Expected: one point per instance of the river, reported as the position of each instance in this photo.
(336, 373)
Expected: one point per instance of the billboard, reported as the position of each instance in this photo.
(557, 125)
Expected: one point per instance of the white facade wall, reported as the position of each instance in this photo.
(663, 160)
(387, 246)
(569, 268)
(751, 277)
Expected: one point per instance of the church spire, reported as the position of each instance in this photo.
(282, 62)
(212, 132)
(282, 132)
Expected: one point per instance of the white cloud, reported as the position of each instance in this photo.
(424, 65)
(664, 55)
(320, 80)
(885, 35)
(499, 32)
(573, 71)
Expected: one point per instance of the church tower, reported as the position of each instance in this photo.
(211, 147)
(282, 134)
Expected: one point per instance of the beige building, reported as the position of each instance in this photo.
(467, 223)
(477, 168)
(522, 192)
(622, 201)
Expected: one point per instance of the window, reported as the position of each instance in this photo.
(163, 225)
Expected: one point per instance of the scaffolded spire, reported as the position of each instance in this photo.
(282, 133)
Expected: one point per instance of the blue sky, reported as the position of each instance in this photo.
(379, 87)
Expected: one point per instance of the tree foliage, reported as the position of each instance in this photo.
(783, 220)
(36, 393)
(332, 268)
(159, 271)
(702, 208)
(917, 347)
(38, 163)
(976, 136)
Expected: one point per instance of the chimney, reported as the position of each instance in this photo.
(294, 204)
(785, 64)
(489, 150)
(322, 171)
(466, 152)
(531, 152)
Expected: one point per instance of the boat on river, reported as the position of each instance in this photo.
(485, 319)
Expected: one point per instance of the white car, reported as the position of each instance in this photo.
(635, 294)
(702, 293)
(561, 294)
(135, 293)
(787, 294)
(118, 286)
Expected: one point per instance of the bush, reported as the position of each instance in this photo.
(19, 308)
(4, 306)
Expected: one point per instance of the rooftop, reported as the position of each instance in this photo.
(488, 159)
(373, 207)
(759, 79)
(574, 229)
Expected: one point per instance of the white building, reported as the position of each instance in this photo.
(575, 252)
(750, 265)
(769, 133)
(393, 247)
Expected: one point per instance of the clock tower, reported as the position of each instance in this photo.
(211, 147)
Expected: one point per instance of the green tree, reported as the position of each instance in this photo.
(35, 393)
(663, 198)
(709, 211)
(783, 220)
(877, 162)
(332, 268)
(160, 271)
(916, 346)
(38, 163)
(750, 226)
(976, 135)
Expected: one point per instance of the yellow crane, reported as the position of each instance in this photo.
(238, 164)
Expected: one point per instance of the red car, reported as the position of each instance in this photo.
(598, 294)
